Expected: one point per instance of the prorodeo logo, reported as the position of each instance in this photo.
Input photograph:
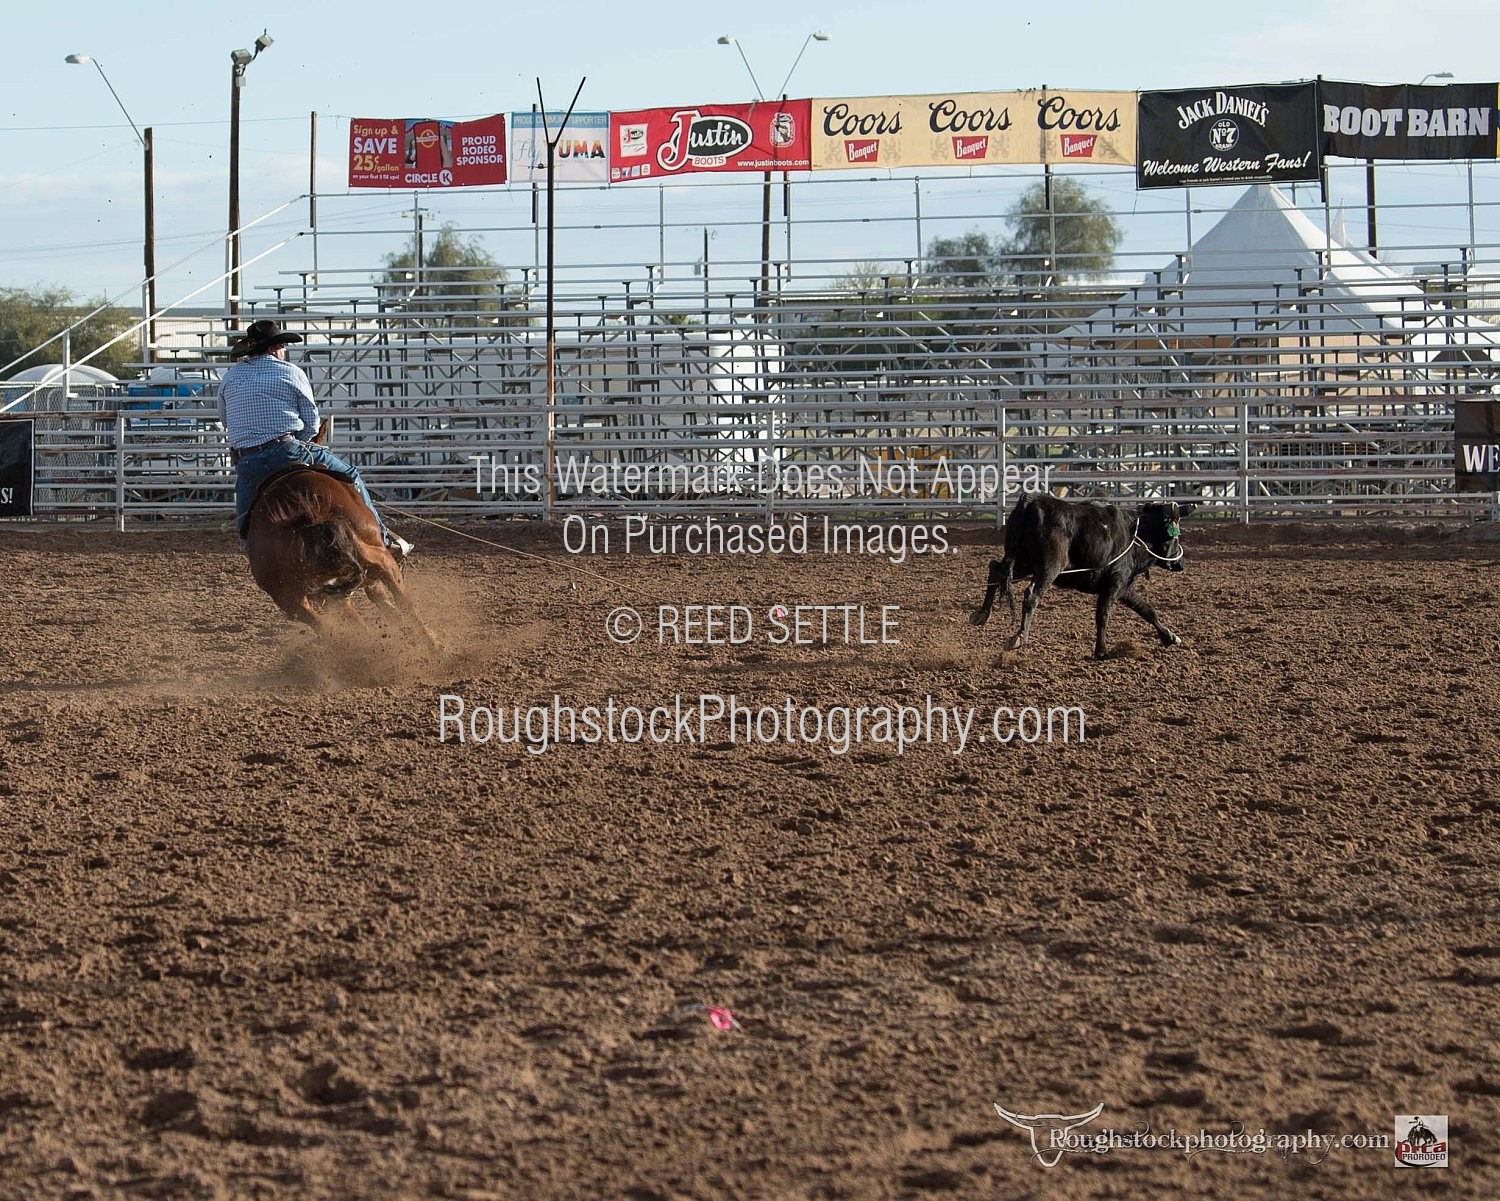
(1053, 1127)
(1422, 1140)
(702, 141)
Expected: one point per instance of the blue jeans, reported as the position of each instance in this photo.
(255, 467)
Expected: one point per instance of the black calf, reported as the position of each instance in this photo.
(1089, 547)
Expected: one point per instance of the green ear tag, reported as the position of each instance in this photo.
(1173, 529)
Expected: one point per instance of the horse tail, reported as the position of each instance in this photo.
(330, 556)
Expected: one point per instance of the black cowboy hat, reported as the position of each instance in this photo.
(259, 338)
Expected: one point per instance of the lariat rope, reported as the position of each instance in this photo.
(1135, 540)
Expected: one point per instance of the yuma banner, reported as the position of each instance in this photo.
(958, 130)
(1476, 445)
(582, 150)
(423, 153)
(656, 142)
(1259, 133)
(17, 466)
(1362, 120)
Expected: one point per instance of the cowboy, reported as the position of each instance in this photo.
(271, 419)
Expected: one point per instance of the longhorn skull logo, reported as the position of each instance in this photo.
(1053, 1125)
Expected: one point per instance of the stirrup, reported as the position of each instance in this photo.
(400, 547)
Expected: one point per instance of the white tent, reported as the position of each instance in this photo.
(1266, 274)
(53, 373)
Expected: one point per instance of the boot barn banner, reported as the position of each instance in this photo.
(1258, 133)
(422, 153)
(17, 466)
(582, 149)
(1362, 120)
(658, 143)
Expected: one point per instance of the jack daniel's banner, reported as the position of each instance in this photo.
(1362, 120)
(1259, 133)
(17, 466)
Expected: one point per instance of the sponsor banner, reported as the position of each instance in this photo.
(422, 153)
(1257, 133)
(1085, 127)
(17, 466)
(582, 149)
(1476, 445)
(664, 142)
(1361, 120)
(958, 130)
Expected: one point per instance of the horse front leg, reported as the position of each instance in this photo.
(299, 608)
(351, 614)
(392, 595)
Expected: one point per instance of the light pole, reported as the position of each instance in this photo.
(1434, 75)
(149, 333)
(765, 212)
(239, 60)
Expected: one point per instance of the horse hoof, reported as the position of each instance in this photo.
(1014, 644)
(979, 617)
(1171, 639)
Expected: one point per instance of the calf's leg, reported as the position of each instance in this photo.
(1137, 603)
(1001, 571)
(1102, 605)
(1039, 584)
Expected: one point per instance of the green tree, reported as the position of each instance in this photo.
(28, 317)
(964, 262)
(1058, 232)
(456, 278)
(869, 275)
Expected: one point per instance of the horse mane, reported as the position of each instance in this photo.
(284, 506)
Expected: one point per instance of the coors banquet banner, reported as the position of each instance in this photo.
(1362, 120)
(422, 153)
(1258, 133)
(663, 142)
(962, 129)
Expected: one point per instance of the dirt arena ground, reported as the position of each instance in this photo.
(262, 934)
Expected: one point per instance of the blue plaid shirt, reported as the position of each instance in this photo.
(263, 397)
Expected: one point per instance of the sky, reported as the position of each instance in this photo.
(72, 183)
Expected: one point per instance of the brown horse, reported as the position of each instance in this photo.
(313, 544)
